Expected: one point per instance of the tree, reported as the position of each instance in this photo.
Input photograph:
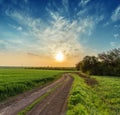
(105, 64)
(78, 65)
(88, 64)
(111, 62)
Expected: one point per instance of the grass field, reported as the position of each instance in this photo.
(109, 91)
(17, 80)
(102, 99)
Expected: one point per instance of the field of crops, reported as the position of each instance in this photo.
(109, 91)
(17, 80)
(102, 99)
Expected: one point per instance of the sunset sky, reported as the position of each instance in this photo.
(35, 32)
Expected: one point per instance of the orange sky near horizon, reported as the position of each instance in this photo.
(32, 60)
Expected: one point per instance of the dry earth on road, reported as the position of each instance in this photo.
(54, 104)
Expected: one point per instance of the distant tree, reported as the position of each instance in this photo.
(111, 56)
(111, 62)
(105, 64)
(78, 65)
(88, 64)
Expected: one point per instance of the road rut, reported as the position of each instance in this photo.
(55, 103)
(19, 105)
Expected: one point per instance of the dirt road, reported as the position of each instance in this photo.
(54, 104)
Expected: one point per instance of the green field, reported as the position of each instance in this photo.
(102, 99)
(109, 91)
(17, 80)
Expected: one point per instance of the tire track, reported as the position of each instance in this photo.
(19, 105)
(55, 103)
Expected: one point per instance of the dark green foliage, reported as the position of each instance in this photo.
(105, 64)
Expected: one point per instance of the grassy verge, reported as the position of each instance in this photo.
(83, 100)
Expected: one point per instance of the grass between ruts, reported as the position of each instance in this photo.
(84, 100)
(17, 80)
(32, 105)
(23, 112)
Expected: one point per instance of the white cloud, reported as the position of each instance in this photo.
(2, 41)
(9, 45)
(66, 4)
(14, 14)
(81, 12)
(84, 2)
(61, 34)
(19, 28)
(116, 36)
(117, 26)
(116, 14)
(65, 35)
(113, 44)
(106, 24)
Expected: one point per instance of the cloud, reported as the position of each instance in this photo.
(106, 24)
(66, 5)
(33, 54)
(14, 14)
(116, 14)
(81, 12)
(58, 34)
(116, 35)
(84, 2)
(16, 45)
(3, 45)
(113, 44)
(64, 33)
(19, 28)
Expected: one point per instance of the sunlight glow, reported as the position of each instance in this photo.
(59, 57)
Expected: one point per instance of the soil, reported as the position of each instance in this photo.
(54, 104)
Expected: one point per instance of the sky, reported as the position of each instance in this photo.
(32, 32)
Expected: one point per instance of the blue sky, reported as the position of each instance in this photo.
(40, 28)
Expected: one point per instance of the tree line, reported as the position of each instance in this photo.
(106, 63)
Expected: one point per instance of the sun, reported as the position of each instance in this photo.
(59, 56)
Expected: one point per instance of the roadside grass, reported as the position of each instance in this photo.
(83, 100)
(109, 91)
(18, 80)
